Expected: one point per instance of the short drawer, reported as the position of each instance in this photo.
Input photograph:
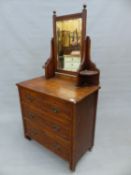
(47, 123)
(48, 104)
(46, 139)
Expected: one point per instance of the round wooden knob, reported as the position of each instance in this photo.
(31, 115)
(56, 128)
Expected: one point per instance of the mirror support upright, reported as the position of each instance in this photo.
(88, 73)
(50, 63)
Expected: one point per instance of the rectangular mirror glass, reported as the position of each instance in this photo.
(69, 38)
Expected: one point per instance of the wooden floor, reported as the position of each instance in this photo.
(25, 31)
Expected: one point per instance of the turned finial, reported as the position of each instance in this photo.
(84, 6)
(54, 12)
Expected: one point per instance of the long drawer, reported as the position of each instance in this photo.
(46, 122)
(55, 107)
(45, 138)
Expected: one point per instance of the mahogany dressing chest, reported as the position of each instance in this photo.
(59, 109)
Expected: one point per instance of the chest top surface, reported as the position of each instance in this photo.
(59, 88)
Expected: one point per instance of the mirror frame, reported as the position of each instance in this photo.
(81, 15)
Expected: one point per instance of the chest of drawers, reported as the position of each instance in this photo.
(71, 63)
(59, 116)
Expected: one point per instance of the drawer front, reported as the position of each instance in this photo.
(47, 123)
(44, 138)
(56, 107)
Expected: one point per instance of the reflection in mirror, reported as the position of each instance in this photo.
(68, 34)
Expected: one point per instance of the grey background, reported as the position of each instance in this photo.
(25, 32)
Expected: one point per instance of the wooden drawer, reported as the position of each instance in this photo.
(50, 105)
(46, 122)
(45, 138)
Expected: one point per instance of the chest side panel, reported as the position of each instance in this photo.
(84, 125)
